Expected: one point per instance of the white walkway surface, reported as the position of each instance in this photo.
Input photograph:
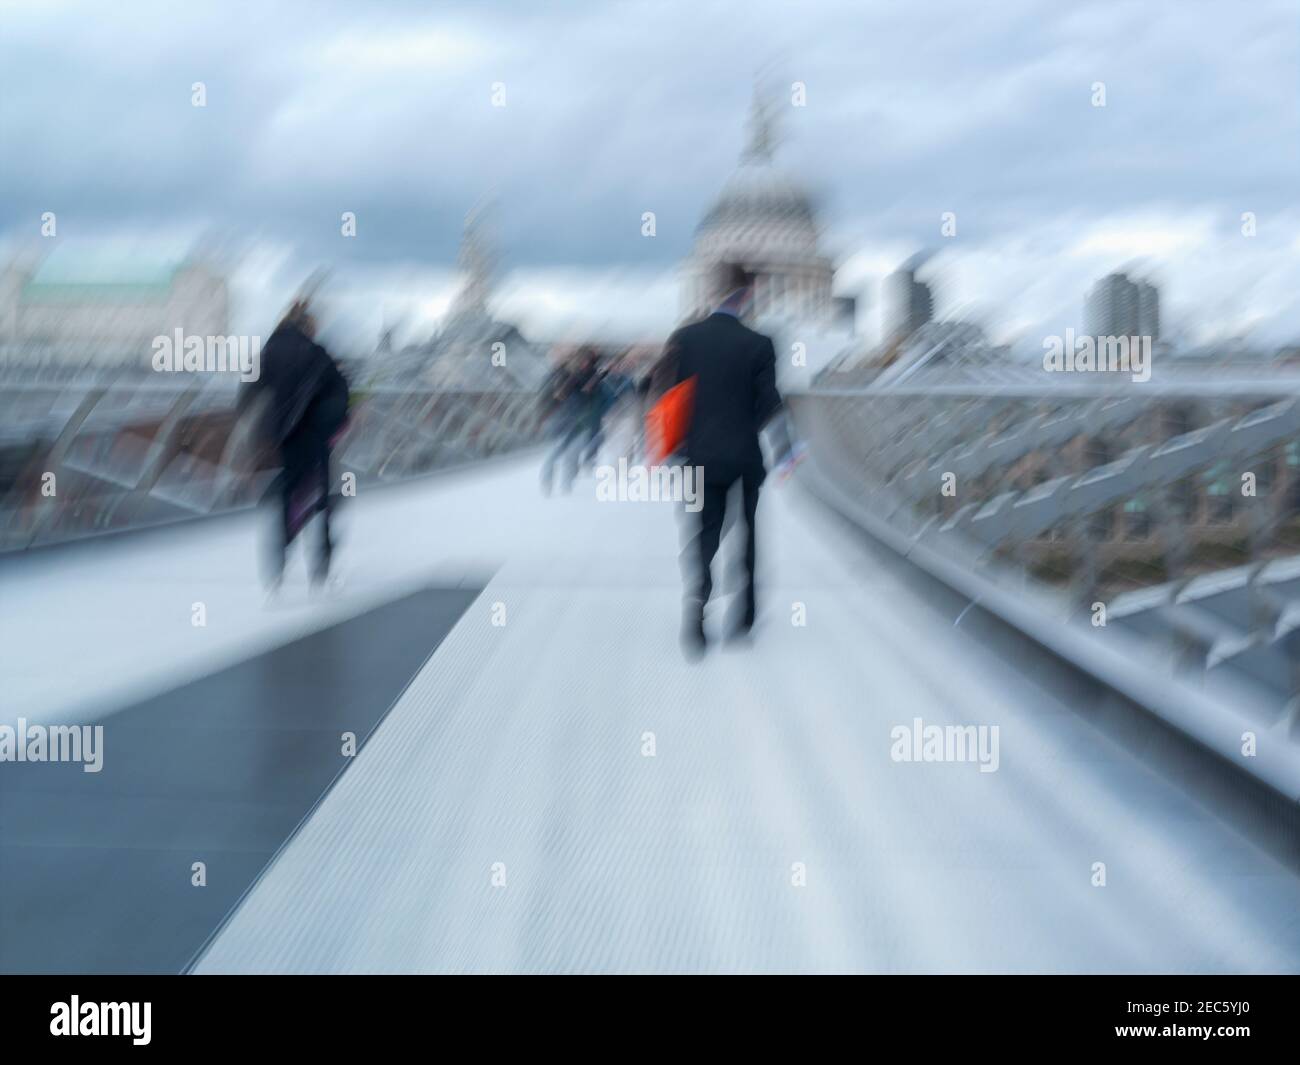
(506, 816)
(518, 758)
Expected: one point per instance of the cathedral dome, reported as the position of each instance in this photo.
(762, 219)
(760, 212)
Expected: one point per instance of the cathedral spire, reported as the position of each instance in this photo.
(761, 130)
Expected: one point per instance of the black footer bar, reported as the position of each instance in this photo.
(926, 1013)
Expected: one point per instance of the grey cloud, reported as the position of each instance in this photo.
(615, 109)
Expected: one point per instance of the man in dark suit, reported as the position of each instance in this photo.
(735, 396)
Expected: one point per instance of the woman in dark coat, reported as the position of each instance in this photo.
(306, 405)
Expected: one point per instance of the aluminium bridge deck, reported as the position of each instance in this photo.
(506, 814)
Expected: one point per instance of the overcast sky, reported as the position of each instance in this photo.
(614, 109)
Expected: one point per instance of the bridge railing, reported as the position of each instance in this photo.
(80, 457)
(1162, 525)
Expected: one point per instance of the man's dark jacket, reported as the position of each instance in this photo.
(300, 381)
(735, 394)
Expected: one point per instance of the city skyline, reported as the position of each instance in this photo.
(1049, 191)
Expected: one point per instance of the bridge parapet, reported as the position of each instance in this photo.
(1160, 525)
(83, 456)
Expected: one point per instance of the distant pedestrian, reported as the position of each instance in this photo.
(570, 391)
(306, 405)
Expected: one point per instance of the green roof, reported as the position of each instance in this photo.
(100, 277)
(94, 293)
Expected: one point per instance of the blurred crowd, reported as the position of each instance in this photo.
(597, 401)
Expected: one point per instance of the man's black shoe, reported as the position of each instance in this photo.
(742, 624)
(694, 642)
(741, 632)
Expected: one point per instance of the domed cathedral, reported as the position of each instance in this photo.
(764, 220)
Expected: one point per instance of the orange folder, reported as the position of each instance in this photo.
(667, 422)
